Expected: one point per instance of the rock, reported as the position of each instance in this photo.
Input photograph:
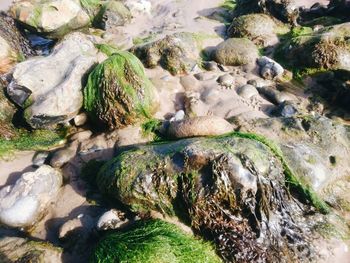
(54, 18)
(111, 15)
(179, 115)
(236, 52)
(118, 93)
(152, 241)
(247, 91)
(177, 53)
(14, 47)
(131, 135)
(15, 249)
(327, 48)
(22, 204)
(81, 136)
(112, 219)
(50, 88)
(226, 81)
(286, 109)
(270, 69)
(219, 179)
(189, 82)
(259, 83)
(199, 126)
(39, 158)
(7, 111)
(275, 96)
(80, 119)
(64, 155)
(139, 6)
(259, 28)
(210, 65)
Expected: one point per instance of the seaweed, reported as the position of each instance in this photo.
(153, 241)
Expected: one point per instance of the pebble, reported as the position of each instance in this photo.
(80, 119)
(226, 80)
(247, 91)
(64, 155)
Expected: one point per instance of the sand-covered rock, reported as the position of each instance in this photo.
(259, 28)
(199, 126)
(236, 52)
(118, 93)
(54, 17)
(22, 204)
(177, 53)
(15, 249)
(50, 88)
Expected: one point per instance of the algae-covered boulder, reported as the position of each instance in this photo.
(152, 241)
(259, 28)
(54, 17)
(233, 189)
(328, 48)
(118, 93)
(20, 250)
(236, 52)
(177, 53)
(13, 46)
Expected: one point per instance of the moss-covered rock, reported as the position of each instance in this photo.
(228, 188)
(327, 48)
(177, 53)
(153, 241)
(259, 28)
(7, 110)
(236, 52)
(118, 93)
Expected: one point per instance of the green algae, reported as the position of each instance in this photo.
(118, 92)
(153, 241)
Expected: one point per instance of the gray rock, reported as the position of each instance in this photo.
(15, 249)
(270, 69)
(285, 109)
(53, 17)
(210, 65)
(226, 80)
(199, 126)
(112, 15)
(39, 158)
(80, 119)
(23, 203)
(50, 88)
(236, 52)
(247, 91)
(64, 155)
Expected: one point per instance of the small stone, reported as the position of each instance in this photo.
(179, 115)
(226, 80)
(80, 119)
(210, 65)
(64, 155)
(39, 158)
(247, 91)
(269, 69)
(286, 109)
(112, 219)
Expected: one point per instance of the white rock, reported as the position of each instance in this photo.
(22, 204)
(179, 115)
(80, 119)
(110, 220)
(50, 88)
(269, 69)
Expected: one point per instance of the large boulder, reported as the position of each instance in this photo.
(54, 17)
(236, 52)
(118, 92)
(15, 249)
(152, 241)
(232, 189)
(23, 204)
(177, 53)
(328, 48)
(13, 46)
(259, 28)
(50, 88)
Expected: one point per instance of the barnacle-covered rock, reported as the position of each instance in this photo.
(232, 189)
(118, 93)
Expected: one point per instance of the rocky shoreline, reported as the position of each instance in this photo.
(174, 131)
